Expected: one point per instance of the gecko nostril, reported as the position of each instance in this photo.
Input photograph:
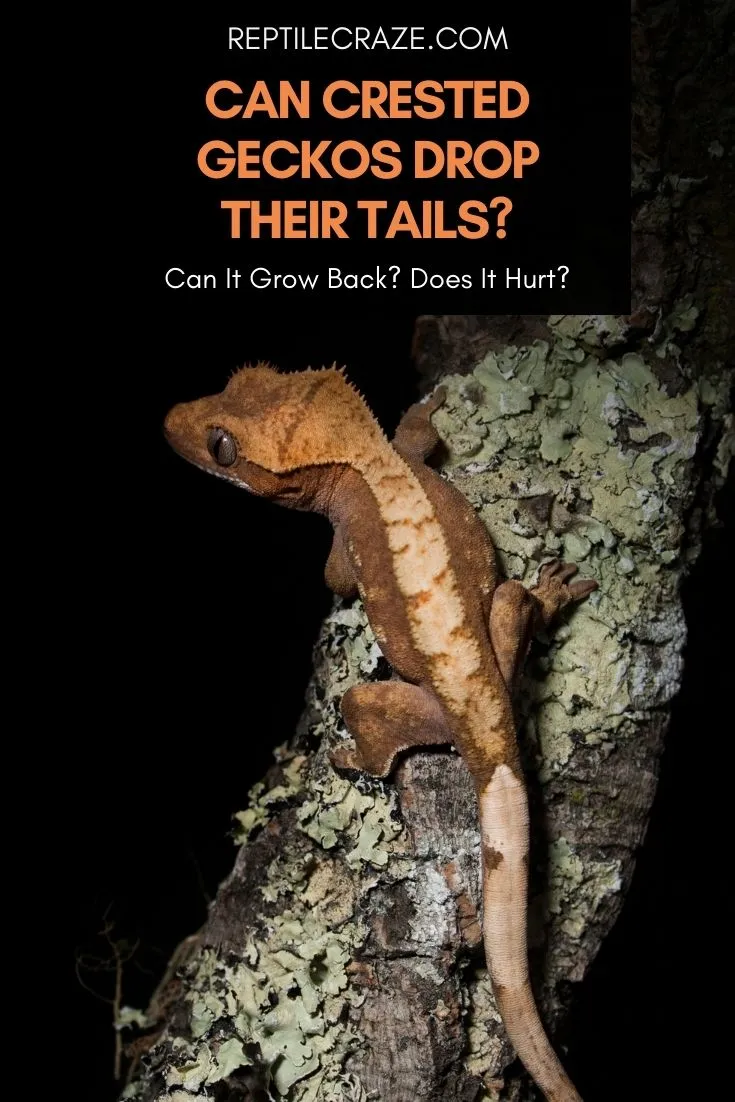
(222, 447)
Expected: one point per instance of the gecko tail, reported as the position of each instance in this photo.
(505, 839)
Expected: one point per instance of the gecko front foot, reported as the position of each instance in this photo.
(553, 590)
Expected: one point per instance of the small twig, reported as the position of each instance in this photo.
(121, 952)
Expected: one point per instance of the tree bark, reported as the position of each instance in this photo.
(342, 957)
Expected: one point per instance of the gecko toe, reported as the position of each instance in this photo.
(554, 590)
(579, 590)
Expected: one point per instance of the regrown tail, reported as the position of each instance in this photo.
(505, 842)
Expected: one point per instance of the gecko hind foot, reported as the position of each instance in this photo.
(385, 718)
(554, 591)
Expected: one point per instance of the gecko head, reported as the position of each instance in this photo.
(274, 433)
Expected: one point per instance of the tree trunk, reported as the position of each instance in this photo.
(342, 958)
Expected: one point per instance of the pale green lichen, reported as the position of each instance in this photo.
(131, 1016)
(576, 889)
(488, 1047)
(614, 442)
(342, 812)
(262, 799)
(590, 330)
(284, 1001)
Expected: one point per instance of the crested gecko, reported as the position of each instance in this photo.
(423, 563)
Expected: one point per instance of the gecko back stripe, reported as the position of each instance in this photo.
(437, 620)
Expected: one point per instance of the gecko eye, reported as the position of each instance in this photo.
(222, 447)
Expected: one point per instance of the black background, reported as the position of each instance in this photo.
(207, 601)
(571, 208)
